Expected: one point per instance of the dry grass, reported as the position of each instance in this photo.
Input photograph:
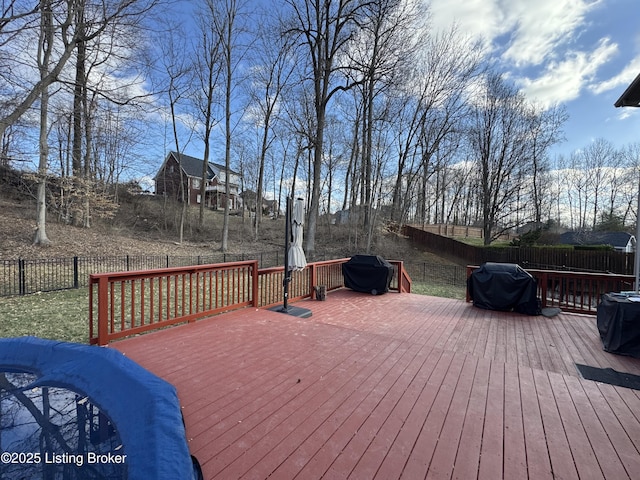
(141, 228)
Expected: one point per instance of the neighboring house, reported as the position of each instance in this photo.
(620, 241)
(168, 181)
(269, 207)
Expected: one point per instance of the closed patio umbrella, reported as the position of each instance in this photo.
(294, 257)
(297, 258)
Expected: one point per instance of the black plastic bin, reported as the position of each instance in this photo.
(368, 274)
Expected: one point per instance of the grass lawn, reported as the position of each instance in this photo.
(479, 242)
(64, 315)
(435, 290)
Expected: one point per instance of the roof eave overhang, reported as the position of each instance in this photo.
(631, 96)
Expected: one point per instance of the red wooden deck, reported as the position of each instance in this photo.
(397, 386)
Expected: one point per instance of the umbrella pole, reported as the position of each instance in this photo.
(287, 273)
(293, 310)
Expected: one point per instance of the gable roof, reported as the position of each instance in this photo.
(615, 239)
(192, 166)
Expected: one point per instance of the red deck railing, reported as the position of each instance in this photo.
(574, 292)
(129, 303)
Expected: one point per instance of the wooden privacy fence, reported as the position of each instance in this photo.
(527, 257)
(575, 292)
(128, 303)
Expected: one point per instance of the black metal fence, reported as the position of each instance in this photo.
(23, 276)
(437, 274)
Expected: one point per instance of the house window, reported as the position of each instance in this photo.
(196, 183)
(171, 169)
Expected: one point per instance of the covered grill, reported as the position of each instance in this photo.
(367, 273)
(504, 286)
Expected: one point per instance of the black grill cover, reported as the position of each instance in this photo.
(504, 286)
(367, 273)
(618, 320)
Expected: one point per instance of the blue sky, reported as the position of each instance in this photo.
(578, 53)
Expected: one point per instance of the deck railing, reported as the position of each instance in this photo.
(126, 303)
(122, 304)
(575, 292)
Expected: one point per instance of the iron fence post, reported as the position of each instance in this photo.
(76, 283)
(21, 277)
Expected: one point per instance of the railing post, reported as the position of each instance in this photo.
(543, 290)
(313, 280)
(255, 301)
(91, 317)
(103, 310)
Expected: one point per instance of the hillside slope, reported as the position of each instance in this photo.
(135, 231)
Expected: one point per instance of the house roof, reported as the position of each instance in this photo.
(192, 166)
(631, 96)
(615, 239)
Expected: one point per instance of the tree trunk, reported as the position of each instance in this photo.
(44, 54)
(315, 190)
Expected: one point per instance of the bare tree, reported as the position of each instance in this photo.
(271, 78)
(574, 186)
(498, 135)
(433, 103)
(176, 70)
(45, 50)
(64, 28)
(228, 25)
(383, 45)
(325, 29)
(599, 162)
(630, 159)
(208, 69)
(545, 131)
(63, 16)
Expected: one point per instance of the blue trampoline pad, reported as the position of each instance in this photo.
(72, 411)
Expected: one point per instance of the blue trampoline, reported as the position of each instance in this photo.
(72, 411)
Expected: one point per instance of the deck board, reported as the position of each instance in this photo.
(515, 452)
(396, 386)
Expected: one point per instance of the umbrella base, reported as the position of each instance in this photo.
(293, 311)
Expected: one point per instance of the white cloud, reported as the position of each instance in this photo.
(622, 79)
(534, 28)
(564, 81)
(476, 18)
(541, 26)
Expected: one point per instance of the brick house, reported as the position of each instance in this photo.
(167, 181)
